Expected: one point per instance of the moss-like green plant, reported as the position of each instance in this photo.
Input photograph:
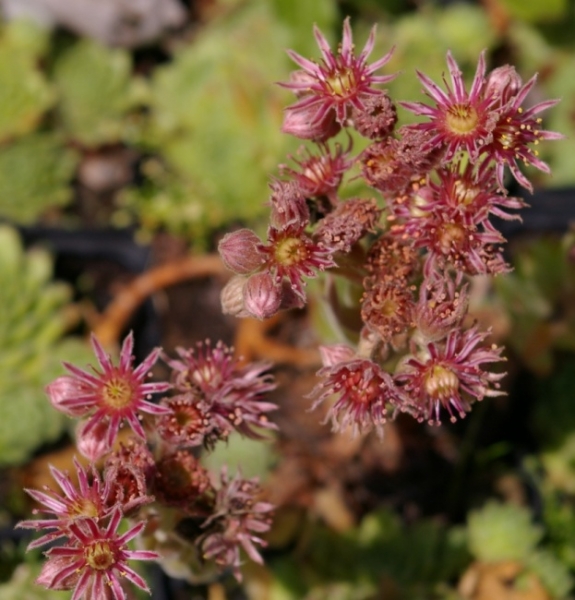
(499, 532)
(96, 91)
(414, 562)
(26, 94)
(502, 532)
(22, 587)
(215, 120)
(32, 324)
(35, 173)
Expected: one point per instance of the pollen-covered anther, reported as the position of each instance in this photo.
(100, 555)
(461, 119)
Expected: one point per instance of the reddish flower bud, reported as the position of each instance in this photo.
(65, 389)
(503, 83)
(262, 297)
(332, 355)
(300, 123)
(91, 441)
(239, 251)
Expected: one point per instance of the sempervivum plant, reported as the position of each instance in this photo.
(504, 534)
(34, 320)
(35, 174)
(26, 95)
(410, 250)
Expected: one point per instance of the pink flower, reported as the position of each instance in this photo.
(188, 423)
(393, 165)
(321, 174)
(514, 134)
(441, 307)
(460, 120)
(113, 395)
(293, 255)
(228, 394)
(460, 238)
(474, 192)
(339, 82)
(237, 521)
(351, 219)
(130, 470)
(88, 499)
(387, 308)
(181, 481)
(449, 376)
(94, 560)
(377, 119)
(362, 390)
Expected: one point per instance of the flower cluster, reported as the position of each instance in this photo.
(154, 478)
(413, 245)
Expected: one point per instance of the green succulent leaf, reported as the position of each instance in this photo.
(535, 10)
(96, 92)
(26, 95)
(32, 324)
(216, 121)
(35, 172)
(553, 574)
(502, 532)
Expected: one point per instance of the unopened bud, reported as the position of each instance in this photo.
(504, 83)
(91, 441)
(64, 390)
(240, 251)
(333, 355)
(232, 297)
(299, 122)
(262, 297)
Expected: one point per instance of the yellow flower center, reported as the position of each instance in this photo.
(461, 119)
(440, 382)
(100, 555)
(83, 508)
(463, 194)
(290, 251)
(389, 307)
(450, 235)
(117, 393)
(342, 83)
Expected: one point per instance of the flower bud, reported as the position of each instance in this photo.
(288, 205)
(91, 442)
(300, 123)
(335, 354)
(504, 83)
(232, 297)
(64, 390)
(240, 251)
(262, 297)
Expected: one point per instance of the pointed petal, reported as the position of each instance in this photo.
(323, 46)
(126, 352)
(132, 576)
(307, 65)
(103, 358)
(347, 40)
